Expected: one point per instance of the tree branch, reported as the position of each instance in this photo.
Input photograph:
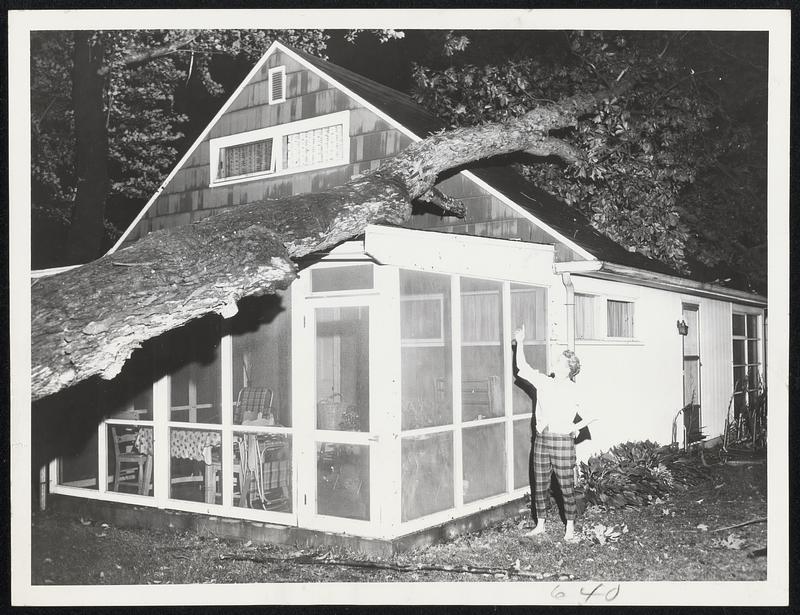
(88, 321)
(448, 204)
(139, 57)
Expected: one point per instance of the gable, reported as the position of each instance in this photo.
(194, 191)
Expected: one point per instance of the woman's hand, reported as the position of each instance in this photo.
(519, 335)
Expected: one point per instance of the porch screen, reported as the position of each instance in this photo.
(481, 349)
(427, 474)
(426, 350)
(529, 307)
(312, 147)
(484, 461)
(262, 362)
(245, 159)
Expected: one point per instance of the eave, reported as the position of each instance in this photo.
(605, 270)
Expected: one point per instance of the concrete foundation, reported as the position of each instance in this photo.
(126, 515)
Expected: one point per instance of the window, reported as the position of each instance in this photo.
(746, 364)
(312, 147)
(599, 318)
(245, 159)
(584, 317)
(620, 318)
(277, 85)
(305, 145)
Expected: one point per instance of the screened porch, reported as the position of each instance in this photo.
(373, 400)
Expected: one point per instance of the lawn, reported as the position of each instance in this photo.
(670, 540)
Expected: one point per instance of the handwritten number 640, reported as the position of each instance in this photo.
(589, 592)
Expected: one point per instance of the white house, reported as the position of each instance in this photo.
(377, 400)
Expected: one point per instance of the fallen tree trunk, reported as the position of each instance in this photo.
(87, 321)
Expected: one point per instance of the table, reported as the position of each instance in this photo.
(194, 444)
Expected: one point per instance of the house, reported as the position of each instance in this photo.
(375, 397)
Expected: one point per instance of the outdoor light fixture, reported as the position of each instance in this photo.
(683, 328)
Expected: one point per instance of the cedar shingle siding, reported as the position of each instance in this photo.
(188, 197)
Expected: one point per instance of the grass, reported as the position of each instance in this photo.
(663, 543)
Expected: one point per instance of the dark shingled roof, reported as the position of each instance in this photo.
(543, 206)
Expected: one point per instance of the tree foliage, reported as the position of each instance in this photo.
(145, 75)
(675, 168)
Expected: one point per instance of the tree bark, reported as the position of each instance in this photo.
(87, 321)
(86, 231)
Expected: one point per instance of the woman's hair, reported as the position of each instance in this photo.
(574, 363)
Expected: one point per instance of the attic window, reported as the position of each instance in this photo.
(245, 159)
(277, 85)
(306, 145)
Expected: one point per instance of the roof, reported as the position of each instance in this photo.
(505, 179)
(545, 210)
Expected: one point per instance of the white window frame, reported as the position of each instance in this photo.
(277, 133)
(747, 392)
(270, 82)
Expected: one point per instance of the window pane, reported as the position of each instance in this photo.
(584, 317)
(739, 378)
(528, 306)
(130, 459)
(484, 461)
(620, 318)
(427, 474)
(522, 447)
(351, 277)
(195, 384)
(752, 351)
(752, 325)
(343, 480)
(246, 158)
(195, 465)
(482, 351)
(738, 352)
(342, 368)
(262, 362)
(262, 471)
(315, 146)
(752, 377)
(738, 324)
(426, 350)
(77, 466)
(130, 395)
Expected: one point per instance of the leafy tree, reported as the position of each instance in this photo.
(675, 168)
(107, 120)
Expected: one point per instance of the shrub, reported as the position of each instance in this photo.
(635, 474)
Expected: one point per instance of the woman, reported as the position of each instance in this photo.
(558, 401)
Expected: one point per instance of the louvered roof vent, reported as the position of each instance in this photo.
(277, 84)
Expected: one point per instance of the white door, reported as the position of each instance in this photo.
(334, 412)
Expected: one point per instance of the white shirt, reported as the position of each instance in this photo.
(557, 401)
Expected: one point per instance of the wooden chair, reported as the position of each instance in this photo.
(127, 460)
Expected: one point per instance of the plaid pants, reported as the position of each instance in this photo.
(554, 453)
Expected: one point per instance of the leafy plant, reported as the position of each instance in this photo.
(635, 474)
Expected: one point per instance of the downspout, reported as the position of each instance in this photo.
(566, 279)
